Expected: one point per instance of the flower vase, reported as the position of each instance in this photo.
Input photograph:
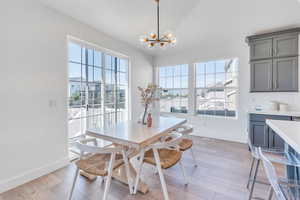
(144, 117)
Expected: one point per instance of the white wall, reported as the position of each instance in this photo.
(33, 72)
(234, 46)
(216, 29)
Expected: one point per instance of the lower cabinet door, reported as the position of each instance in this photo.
(259, 134)
(275, 141)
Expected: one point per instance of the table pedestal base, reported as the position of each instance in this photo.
(120, 175)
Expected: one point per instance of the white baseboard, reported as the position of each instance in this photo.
(32, 174)
(220, 137)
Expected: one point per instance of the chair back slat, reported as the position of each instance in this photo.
(185, 129)
(169, 142)
(85, 148)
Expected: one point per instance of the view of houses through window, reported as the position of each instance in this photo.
(215, 88)
(174, 83)
(98, 85)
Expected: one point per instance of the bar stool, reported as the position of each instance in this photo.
(100, 161)
(274, 155)
(187, 141)
(281, 187)
(163, 155)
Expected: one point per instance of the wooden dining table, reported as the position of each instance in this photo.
(135, 136)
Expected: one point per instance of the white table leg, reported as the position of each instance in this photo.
(128, 175)
(137, 178)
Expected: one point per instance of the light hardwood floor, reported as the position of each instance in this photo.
(221, 175)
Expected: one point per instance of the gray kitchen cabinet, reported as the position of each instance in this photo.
(285, 45)
(274, 61)
(261, 135)
(261, 76)
(285, 74)
(261, 48)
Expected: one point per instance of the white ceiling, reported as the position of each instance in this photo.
(195, 22)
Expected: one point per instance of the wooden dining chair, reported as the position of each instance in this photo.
(100, 161)
(187, 141)
(164, 154)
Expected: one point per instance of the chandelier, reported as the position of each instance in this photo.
(157, 40)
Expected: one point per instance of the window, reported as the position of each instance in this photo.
(216, 88)
(98, 86)
(174, 83)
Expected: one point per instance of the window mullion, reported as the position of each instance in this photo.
(103, 90)
(191, 89)
(115, 89)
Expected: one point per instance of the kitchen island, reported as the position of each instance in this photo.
(289, 131)
(261, 134)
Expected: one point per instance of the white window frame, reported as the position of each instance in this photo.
(192, 98)
(104, 51)
(188, 75)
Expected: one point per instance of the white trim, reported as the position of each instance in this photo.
(96, 47)
(30, 175)
(236, 87)
(104, 52)
(204, 117)
(129, 93)
(192, 89)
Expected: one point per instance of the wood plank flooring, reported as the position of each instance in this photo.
(221, 175)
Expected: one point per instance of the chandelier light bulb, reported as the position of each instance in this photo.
(153, 35)
(151, 44)
(169, 35)
(143, 38)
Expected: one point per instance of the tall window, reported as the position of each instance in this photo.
(174, 83)
(116, 84)
(98, 85)
(216, 88)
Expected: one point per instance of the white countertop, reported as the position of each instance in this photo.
(289, 131)
(274, 112)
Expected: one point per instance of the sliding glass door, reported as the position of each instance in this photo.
(98, 89)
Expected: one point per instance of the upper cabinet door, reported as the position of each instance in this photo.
(285, 45)
(261, 48)
(261, 76)
(285, 74)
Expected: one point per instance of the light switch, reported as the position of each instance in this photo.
(52, 103)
